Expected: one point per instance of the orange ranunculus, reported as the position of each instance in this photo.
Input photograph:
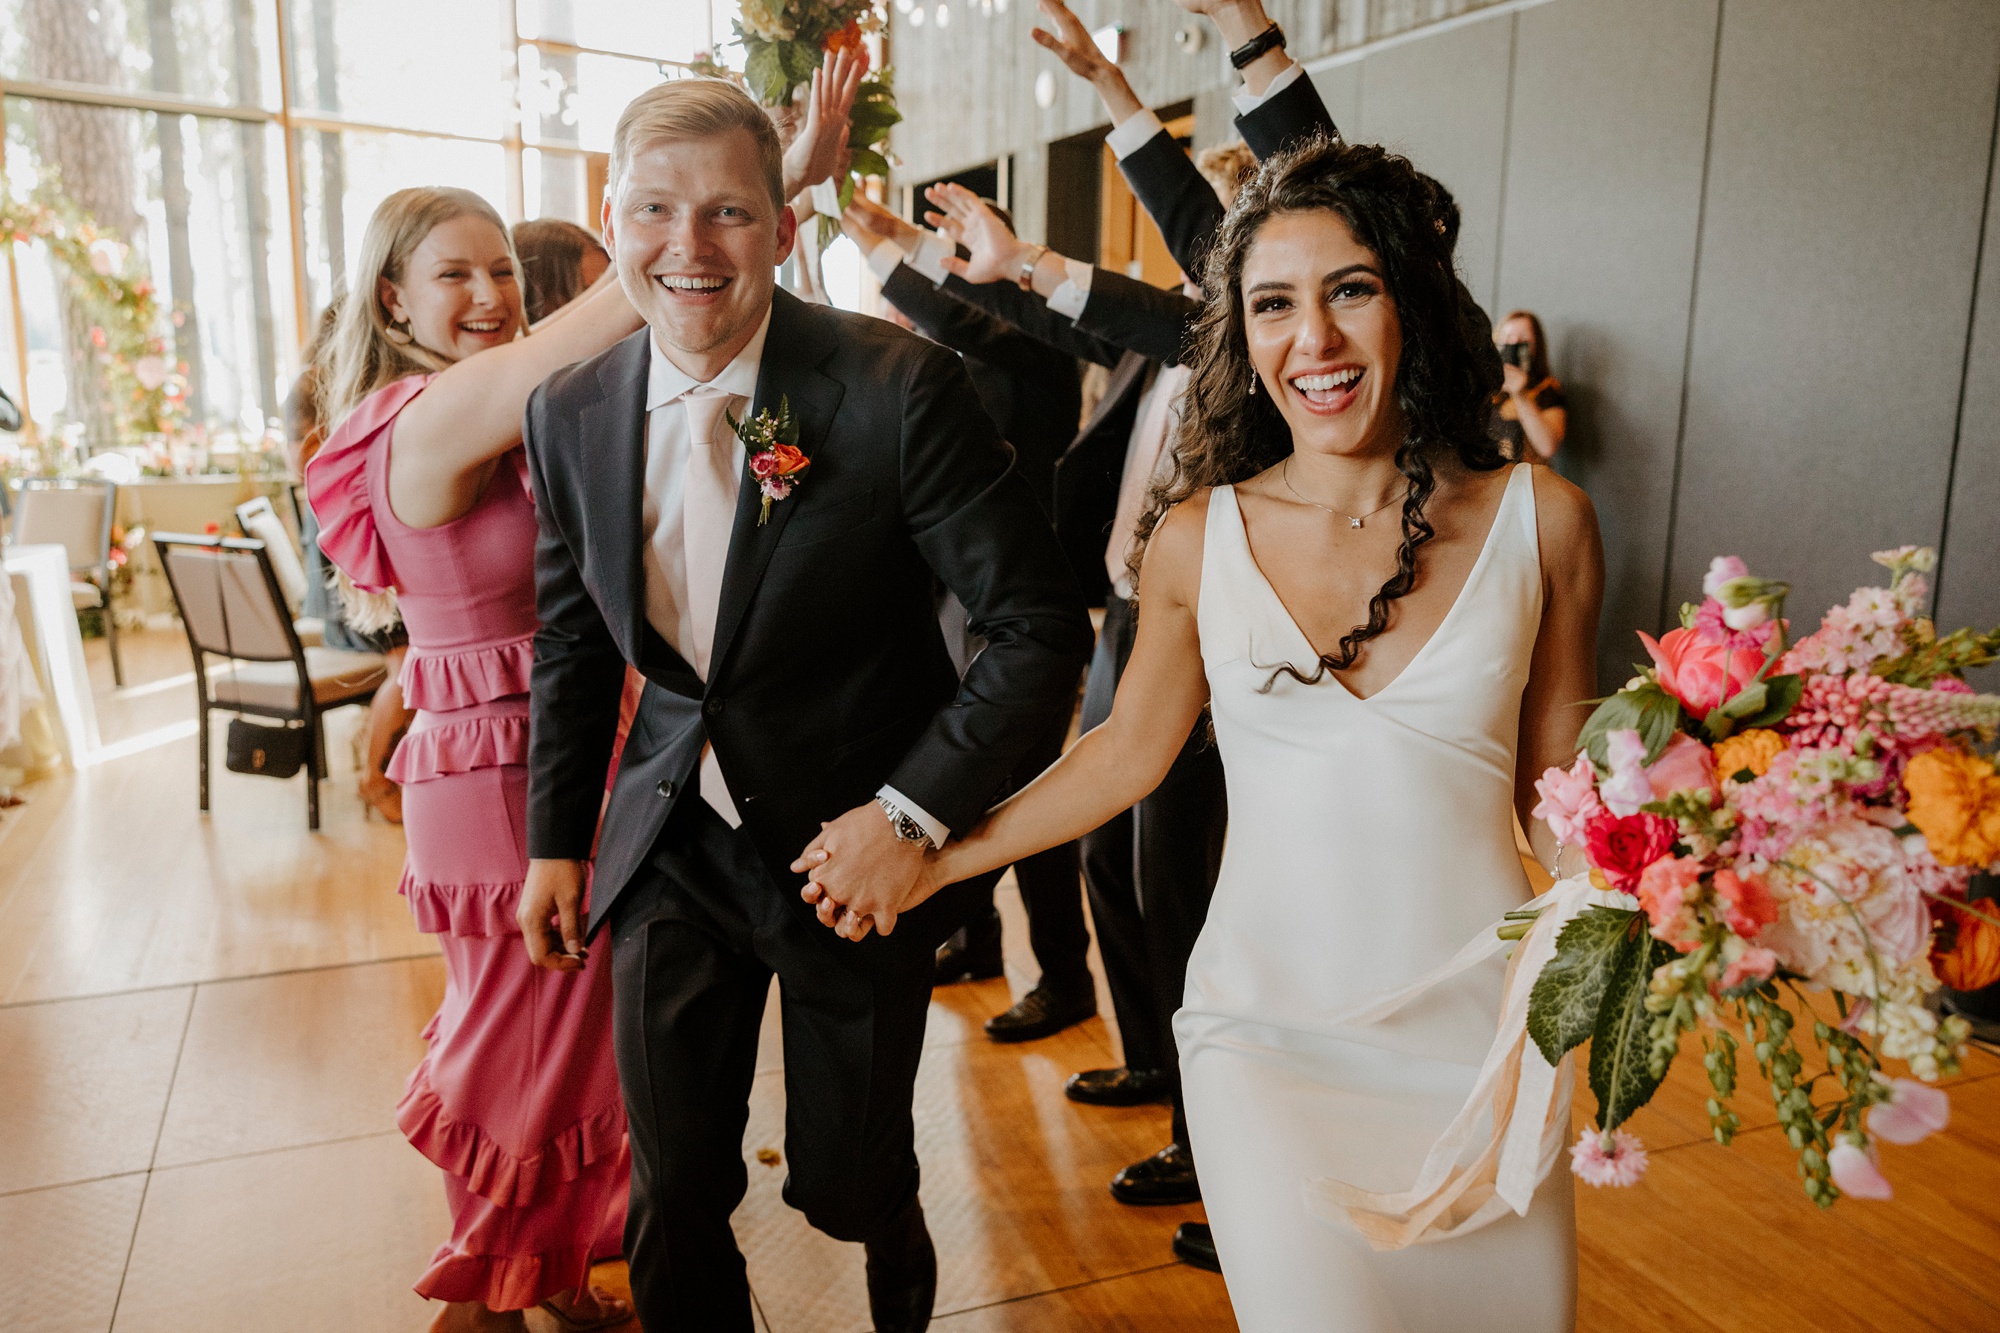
(1753, 749)
(1965, 954)
(1701, 674)
(1955, 804)
(848, 38)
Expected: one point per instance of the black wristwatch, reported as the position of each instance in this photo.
(1271, 39)
(905, 825)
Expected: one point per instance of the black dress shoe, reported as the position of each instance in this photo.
(902, 1274)
(973, 954)
(1195, 1244)
(1165, 1177)
(1041, 1013)
(1120, 1087)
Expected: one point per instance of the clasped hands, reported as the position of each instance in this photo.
(861, 876)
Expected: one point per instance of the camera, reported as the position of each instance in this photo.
(1517, 354)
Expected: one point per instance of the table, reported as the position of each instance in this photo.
(47, 613)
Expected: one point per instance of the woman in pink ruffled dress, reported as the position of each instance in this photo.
(420, 491)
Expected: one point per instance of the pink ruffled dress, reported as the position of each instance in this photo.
(517, 1099)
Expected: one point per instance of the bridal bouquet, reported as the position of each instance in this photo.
(784, 41)
(1774, 820)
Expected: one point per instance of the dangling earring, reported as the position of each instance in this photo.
(398, 334)
(1253, 381)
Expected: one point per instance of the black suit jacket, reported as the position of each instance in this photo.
(828, 676)
(1030, 388)
(1087, 475)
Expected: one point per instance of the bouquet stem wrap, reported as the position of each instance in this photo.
(1528, 1099)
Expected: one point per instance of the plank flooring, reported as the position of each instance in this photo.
(205, 1023)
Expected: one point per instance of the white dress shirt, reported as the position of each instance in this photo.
(662, 530)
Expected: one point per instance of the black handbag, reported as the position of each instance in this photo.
(268, 751)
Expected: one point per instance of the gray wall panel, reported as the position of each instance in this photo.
(1442, 102)
(1604, 164)
(1846, 176)
(1968, 584)
(1340, 88)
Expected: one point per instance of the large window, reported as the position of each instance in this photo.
(236, 148)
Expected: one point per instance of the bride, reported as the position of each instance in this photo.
(1392, 632)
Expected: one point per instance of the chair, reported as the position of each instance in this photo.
(78, 516)
(233, 608)
(260, 522)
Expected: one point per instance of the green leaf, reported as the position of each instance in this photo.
(1562, 1008)
(1646, 709)
(799, 60)
(1781, 695)
(764, 70)
(1746, 701)
(868, 162)
(1621, 1043)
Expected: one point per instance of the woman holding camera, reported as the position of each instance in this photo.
(1529, 416)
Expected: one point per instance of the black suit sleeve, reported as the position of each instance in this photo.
(1293, 113)
(575, 683)
(977, 525)
(1180, 201)
(1031, 314)
(964, 328)
(1151, 321)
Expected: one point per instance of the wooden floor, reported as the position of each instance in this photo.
(205, 1024)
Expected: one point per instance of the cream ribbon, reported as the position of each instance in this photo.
(1528, 1097)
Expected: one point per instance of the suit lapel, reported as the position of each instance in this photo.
(789, 372)
(612, 464)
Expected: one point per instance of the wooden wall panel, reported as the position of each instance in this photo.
(1603, 201)
(1845, 185)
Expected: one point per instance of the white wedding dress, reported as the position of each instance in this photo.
(1369, 840)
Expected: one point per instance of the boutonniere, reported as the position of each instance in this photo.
(775, 457)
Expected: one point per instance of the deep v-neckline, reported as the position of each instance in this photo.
(1458, 600)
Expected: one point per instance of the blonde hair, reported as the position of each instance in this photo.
(682, 109)
(362, 358)
(1226, 167)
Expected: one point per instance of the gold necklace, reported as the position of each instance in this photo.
(1285, 475)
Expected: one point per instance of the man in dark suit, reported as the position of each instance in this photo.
(1034, 394)
(796, 687)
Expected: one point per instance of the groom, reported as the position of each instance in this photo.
(795, 676)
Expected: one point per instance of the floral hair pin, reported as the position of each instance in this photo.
(775, 457)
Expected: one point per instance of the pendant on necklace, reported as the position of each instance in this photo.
(1353, 522)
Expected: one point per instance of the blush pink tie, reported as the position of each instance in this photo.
(708, 513)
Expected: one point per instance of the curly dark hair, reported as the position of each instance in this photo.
(1228, 434)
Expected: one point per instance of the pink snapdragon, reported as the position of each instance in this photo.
(1744, 903)
(1628, 787)
(1616, 1158)
(1569, 799)
(1753, 964)
(1913, 1113)
(1663, 893)
(1858, 1171)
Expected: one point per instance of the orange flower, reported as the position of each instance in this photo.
(848, 38)
(1955, 804)
(1753, 749)
(1965, 954)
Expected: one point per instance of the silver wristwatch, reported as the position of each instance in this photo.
(907, 829)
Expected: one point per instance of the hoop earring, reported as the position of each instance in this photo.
(398, 334)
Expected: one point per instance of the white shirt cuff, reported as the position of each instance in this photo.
(1247, 101)
(1133, 133)
(1070, 298)
(884, 258)
(929, 256)
(925, 820)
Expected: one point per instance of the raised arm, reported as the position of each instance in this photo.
(471, 413)
(1562, 677)
(1160, 697)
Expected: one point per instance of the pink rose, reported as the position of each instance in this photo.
(1746, 904)
(1624, 847)
(1913, 1113)
(1753, 964)
(1627, 788)
(1685, 765)
(1569, 799)
(1702, 675)
(1857, 1171)
(1662, 891)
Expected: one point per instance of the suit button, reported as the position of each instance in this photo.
(712, 705)
(665, 789)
